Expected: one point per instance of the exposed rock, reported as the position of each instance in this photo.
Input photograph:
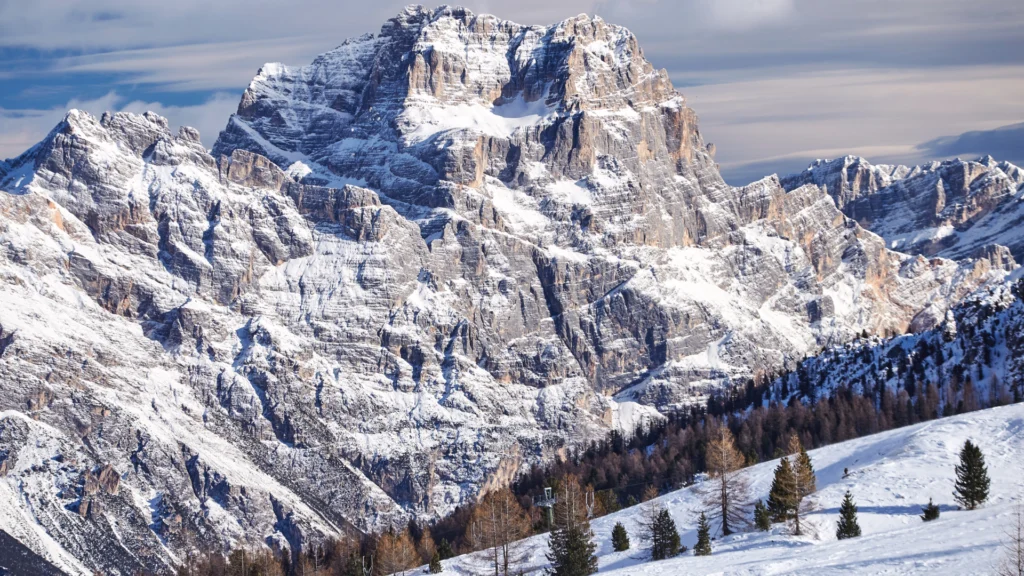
(955, 209)
(430, 258)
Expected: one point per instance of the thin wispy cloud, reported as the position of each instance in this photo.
(774, 81)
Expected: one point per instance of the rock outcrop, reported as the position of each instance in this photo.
(429, 258)
(954, 209)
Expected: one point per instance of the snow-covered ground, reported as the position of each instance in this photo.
(891, 475)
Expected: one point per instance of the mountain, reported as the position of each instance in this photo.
(429, 259)
(975, 357)
(953, 209)
(892, 475)
(15, 559)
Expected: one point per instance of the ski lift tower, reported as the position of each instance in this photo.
(548, 503)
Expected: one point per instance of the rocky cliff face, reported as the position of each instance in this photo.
(434, 255)
(954, 209)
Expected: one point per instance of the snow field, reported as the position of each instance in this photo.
(891, 476)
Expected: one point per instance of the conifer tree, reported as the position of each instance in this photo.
(804, 482)
(780, 498)
(726, 493)
(435, 563)
(847, 526)
(665, 541)
(703, 546)
(620, 538)
(444, 549)
(762, 517)
(794, 480)
(972, 482)
(572, 542)
(930, 512)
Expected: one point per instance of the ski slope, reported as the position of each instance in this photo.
(891, 475)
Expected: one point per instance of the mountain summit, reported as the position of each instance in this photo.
(430, 258)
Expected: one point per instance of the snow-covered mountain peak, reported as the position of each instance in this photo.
(951, 208)
(429, 258)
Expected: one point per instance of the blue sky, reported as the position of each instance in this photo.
(777, 83)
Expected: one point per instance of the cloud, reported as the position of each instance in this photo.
(215, 66)
(1003, 143)
(746, 14)
(879, 114)
(775, 81)
(22, 129)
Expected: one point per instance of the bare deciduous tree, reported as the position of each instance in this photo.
(498, 525)
(725, 494)
(396, 553)
(1013, 549)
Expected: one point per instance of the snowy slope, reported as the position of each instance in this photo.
(892, 475)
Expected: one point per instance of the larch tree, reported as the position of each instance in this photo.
(396, 553)
(725, 494)
(426, 546)
(499, 525)
(571, 544)
(1012, 563)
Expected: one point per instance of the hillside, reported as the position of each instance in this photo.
(975, 357)
(891, 475)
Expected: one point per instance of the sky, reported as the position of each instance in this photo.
(776, 83)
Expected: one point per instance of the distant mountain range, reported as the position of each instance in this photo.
(432, 257)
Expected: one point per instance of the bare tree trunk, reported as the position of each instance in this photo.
(1013, 548)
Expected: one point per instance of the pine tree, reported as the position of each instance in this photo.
(703, 546)
(847, 525)
(794, 480)
(620, 538)
(780, 498)
(972, 482)
(762, 517)
(444, 549)
(930, 512)
(665, 541)
(435, 563)
(571, 543)
(804, 482)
